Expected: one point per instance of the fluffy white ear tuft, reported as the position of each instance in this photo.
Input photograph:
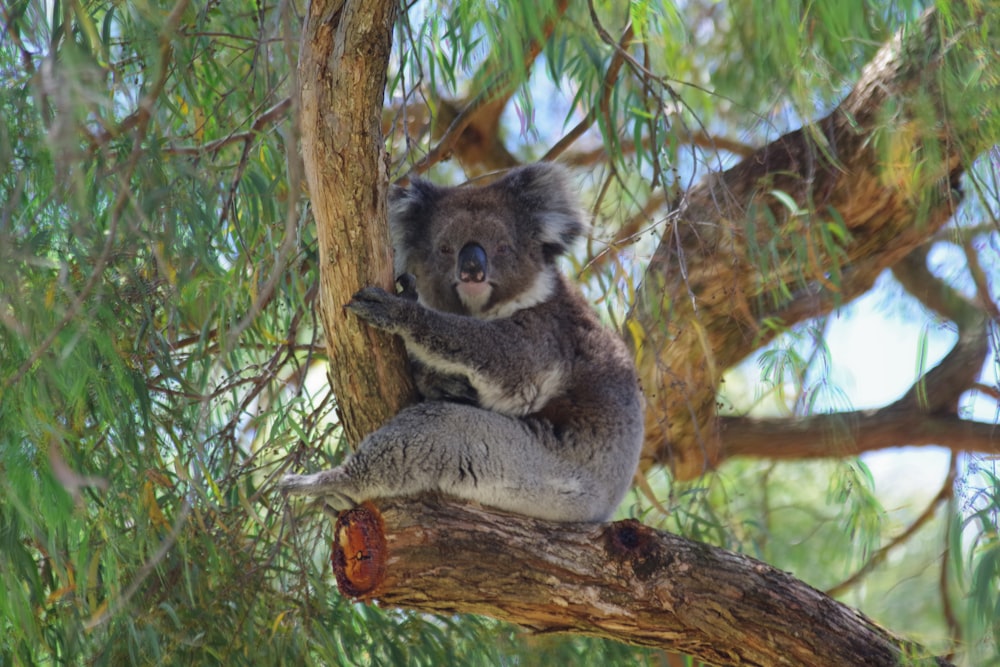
(545, 197)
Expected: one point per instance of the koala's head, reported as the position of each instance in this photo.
(485, 251)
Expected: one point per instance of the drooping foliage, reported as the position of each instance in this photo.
(161, 361)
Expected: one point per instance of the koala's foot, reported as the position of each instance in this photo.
(331, 485)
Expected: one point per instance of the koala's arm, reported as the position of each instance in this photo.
(436, 386)
(510, 371)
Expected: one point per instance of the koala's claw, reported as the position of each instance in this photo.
(376, 306)
(369, 295)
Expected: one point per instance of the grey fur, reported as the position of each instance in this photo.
(534, 406)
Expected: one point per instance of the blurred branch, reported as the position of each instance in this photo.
(979, 278)
(270, 116)
(714, 142)
(941, 387)
(471, 135)
(937, 295)
(699, 138)
(853, 433)
(8, 30)
(992, 392)
(730, 277)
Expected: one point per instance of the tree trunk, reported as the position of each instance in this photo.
(342, 76)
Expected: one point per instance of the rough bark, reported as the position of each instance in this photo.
(622, 581)
(342, 76)
(706, 299)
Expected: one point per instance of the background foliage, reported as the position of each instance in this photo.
(161, 365)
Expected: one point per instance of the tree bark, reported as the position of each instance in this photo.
(619, 580)
(342, 76)
(707, 298)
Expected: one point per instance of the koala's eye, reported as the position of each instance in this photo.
(503, 249)
(446, 249)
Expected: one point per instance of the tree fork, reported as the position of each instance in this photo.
(705, 301)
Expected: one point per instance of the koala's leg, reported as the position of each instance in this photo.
(500, 461)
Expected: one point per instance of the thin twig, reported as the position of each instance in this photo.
(271, 115)
(946, 492)
(607, 88)
(143, 114)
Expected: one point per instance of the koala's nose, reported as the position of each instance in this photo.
(472, 263)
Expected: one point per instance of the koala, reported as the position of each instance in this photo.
(530, 405)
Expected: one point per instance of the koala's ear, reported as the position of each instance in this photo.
(410, 211)
(545, 196)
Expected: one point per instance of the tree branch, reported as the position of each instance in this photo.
(710, 294)
(941, 388)
(854, 433)
(913, 274)
(621, 580)
(471, 134)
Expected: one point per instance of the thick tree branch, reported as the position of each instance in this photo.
(710, 293)
(623, 581)
(940, 388)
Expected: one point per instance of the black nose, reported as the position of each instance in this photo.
(472, 263)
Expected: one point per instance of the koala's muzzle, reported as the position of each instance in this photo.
(472, 263)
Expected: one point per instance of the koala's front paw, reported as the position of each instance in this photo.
(379, 308)
(332, 485)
